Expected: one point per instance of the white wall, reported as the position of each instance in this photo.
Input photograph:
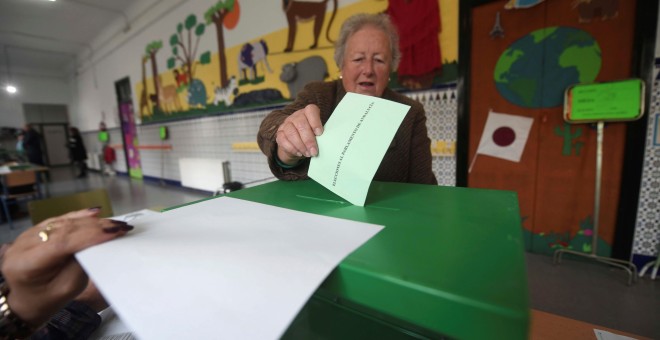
(34, 89)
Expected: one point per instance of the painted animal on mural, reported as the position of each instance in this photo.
(302, 11)
(250, 56)
(196, 94)
(181, 79)
(258, 97)
(596, 9)
(168, 97)
(297, 75)
(227, 93)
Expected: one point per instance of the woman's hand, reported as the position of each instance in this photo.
(296, 136)
(40, 268)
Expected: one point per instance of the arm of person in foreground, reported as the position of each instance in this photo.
(41, 273)
(77, 320)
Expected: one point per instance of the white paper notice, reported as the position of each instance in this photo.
(130, 217)
(353, 144)
(605, 335)
(220, 269)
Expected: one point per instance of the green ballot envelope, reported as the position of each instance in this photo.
(448, 264)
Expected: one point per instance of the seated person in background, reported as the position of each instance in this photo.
(41, 276)
(366, 52)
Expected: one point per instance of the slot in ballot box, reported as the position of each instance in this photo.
(448, 264)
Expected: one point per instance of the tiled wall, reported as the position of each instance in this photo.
(440, 106)
(209, 137)
(647, 229)
(212, 137)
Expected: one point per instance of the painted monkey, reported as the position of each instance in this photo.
(297, 10)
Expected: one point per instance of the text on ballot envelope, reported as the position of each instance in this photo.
(353, 144)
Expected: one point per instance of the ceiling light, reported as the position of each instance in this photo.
(11, 89)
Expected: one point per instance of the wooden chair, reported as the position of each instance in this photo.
(18, 186)
(56, 206)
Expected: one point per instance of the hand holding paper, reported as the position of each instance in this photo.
(353, 144)
(296, 137)
(210, 269)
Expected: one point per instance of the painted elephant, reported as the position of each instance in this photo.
(297, 75)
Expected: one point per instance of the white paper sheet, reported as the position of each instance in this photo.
(112, 328)
(130, 217)
(220, 269)
(605, 335)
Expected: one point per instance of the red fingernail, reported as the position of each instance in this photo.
(117, 227)
(112, 230)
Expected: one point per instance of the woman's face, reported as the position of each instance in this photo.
(367, 60)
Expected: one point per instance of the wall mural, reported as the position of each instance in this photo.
(263, 71)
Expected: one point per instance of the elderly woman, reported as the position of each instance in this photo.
(366, 53)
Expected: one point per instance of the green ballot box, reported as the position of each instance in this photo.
(448, 264)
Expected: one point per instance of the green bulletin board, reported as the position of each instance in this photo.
(610, 101)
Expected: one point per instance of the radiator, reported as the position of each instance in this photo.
(202, 173)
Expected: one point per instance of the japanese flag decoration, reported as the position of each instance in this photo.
(504, 136)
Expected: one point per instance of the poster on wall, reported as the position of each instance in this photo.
(191, 70)
(130, 140)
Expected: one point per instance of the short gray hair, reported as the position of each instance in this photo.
(357, 22)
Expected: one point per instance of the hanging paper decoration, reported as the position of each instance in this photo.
(504, 136)
(521, 3)
(418, 24)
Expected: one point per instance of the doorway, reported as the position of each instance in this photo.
(51, 121)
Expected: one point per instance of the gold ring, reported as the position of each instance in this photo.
(44, 234)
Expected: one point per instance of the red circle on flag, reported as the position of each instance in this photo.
(504, 136)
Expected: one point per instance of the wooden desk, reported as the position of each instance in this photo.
(40, 170)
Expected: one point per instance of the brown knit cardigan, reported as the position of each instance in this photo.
(407, 160)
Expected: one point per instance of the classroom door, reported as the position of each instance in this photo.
(521, 62)
(55, 141)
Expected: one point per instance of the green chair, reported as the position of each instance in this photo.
(56, 206)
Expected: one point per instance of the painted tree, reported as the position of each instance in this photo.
(224, 13)
(184, 49)
(151, 50)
